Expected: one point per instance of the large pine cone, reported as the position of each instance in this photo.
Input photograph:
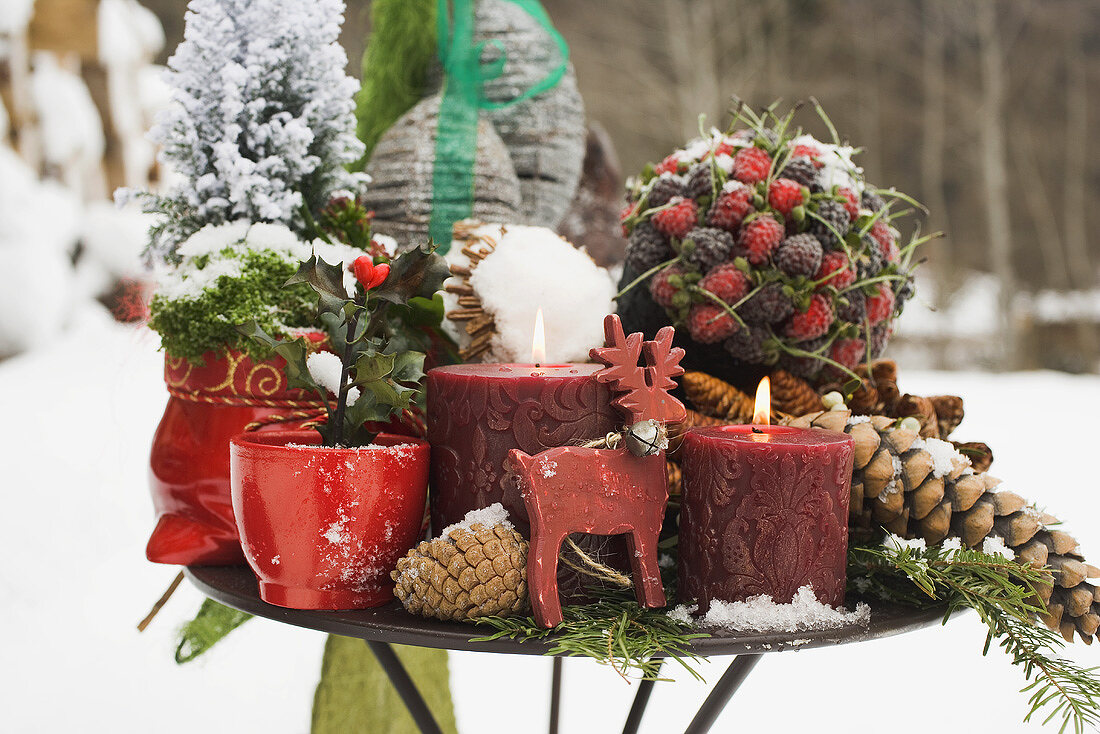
(923, 488)
(479, 572)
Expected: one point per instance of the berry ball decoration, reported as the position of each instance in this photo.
(767, 247)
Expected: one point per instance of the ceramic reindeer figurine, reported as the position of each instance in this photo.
(607, 491)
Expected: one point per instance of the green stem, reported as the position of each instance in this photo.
(649, 273)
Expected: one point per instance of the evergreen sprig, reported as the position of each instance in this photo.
(1004, 595)
(613, 631)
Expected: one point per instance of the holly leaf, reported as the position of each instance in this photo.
(326, 280)
(373, 366)
(419, 272)
(294, 352)
(408, 367)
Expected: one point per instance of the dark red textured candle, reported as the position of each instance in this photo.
(477, 413)
(764, 511)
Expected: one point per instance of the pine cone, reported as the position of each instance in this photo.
(716, 398)
(478, 572)
(924, 488)
(793, 395)
(949, 412)
(920, 408)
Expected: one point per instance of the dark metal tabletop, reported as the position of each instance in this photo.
(235, 586)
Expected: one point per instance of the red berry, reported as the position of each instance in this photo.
(784, 195)
(851, 203)
(887, 246)
(832, 262)
(849, 352)
(880, 306)
(668, 165)
(732, 206)
(814, 322)
(722, 148)
(760, 237)
(727, 282)
(659, 287)
(709, 323)
(808, 151)
(678, 219)
(363, 269)
(751, 165)
(623, 215)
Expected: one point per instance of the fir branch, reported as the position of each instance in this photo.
(1003, 594)
(614, 631)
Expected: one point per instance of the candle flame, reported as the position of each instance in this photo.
(538, 342)
(762, 412)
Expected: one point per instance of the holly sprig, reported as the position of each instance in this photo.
(381, 373)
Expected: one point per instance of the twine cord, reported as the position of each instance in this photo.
(595, 569)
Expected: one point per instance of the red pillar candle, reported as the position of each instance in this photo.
(764, 511)
(477, 413)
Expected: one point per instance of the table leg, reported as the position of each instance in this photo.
(727, 685)
(555, 696)
(406, 689)
(641, 699)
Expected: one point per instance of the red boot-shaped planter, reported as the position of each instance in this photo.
(189, 462)
(323, 527)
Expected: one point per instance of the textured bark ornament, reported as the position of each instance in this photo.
(405, 164)
(544, 134)
(916, 488)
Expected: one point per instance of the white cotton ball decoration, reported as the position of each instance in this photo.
(532, 268)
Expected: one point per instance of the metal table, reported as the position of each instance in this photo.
(236, 586)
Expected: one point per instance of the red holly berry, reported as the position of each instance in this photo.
(851, 203)
(784, 195)
(887, 245)
(760, 237)
(849, 352)
(709, 323)
(814, 322)
(678, 219)
(367, 273)
(832, 262)
(751, 165)
(727, 282)
(880, 306)
(668, 165)
(659, 287)
(732, 206)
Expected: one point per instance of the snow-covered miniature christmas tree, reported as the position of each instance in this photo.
(262, 117)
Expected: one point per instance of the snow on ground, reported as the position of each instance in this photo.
(80, 416)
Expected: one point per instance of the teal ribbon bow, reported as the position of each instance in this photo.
(464, 77)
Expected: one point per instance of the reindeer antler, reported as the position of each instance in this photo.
(644, 389)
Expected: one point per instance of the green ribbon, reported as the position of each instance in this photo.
(464, 77)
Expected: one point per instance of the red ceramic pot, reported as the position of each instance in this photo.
(322, 527)
(189, 461)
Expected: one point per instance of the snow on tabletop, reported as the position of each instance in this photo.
(532, 268)
(494, 514)
(762, 614)
(944, 455)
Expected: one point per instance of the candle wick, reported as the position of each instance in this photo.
(537, 365)
(756, 430)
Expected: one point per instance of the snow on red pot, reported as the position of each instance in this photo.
(323, 527)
